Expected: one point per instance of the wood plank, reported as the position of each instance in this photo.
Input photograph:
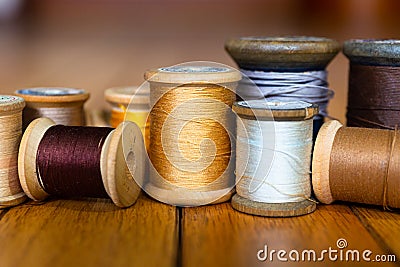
(217, 235)
(383, 225)
(89, 233)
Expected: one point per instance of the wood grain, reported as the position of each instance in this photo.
(219, 236)
(89, 233)
(384, 226)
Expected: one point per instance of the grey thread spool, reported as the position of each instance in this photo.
(373, 96)
(63, 105)
(268, 60)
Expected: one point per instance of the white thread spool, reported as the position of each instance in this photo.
(10, 135)
(274, 142)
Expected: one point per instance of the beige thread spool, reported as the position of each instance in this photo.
(357, 165)
(10, 135)
(63, 105)
(122, 162)
(132, 104)
(191, 104)
(272, 196)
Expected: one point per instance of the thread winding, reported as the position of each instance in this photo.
(309, 86)
(273, 159)
(63, 105)
(68, 161)
(192, 132)
(362, 158)
(179, 150)
(10, 135)
(139, 117)
(373, 98)
(130, 103)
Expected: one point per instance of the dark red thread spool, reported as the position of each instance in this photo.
(74, 161)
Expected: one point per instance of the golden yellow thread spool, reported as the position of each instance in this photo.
(10, 135)
(63, 105)
(132, 104)
(191, 126)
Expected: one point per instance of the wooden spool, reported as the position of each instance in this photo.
(130, 103)
(63, 105)
(374, 52)
(297, 53)
(121, 178)
(362, 181)
(12, 193)
(284, 54)
(373, 99)
(195, 77)
(262, 110)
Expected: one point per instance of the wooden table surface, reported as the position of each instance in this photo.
(93, 232)
(96, 233)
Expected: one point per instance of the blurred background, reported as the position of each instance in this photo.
(96, 44)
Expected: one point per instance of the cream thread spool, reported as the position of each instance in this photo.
(191, 104)
(10, 135)
(122, 162)
(277, 135)
(132, 104)
(63, 105)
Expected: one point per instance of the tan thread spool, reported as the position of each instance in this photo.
(357, 165)
(190, 104)
(132, 104)
(272, 114)
(122, 162)
(10, 135)
(63, 105)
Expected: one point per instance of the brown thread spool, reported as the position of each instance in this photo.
(63, 105)
(373, 98)
(10, 135)
(119, 177)
(357, 165)
(132, 104)
(191, 103)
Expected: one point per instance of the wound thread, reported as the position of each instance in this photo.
(274, 152)
(288, 177)
(309, 86)
(374, 97)
(62, 105)
(79, 161)
(68, 161)
(10, 135)
(132, 104)
(192, 126)
(357, 165)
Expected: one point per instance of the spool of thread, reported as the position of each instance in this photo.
(132, 104)
(357, 165)
(78, 161)
(374, 81)
(274, 142)
(62, 105)
(285, 69)
(191, 134)
(10, 135)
